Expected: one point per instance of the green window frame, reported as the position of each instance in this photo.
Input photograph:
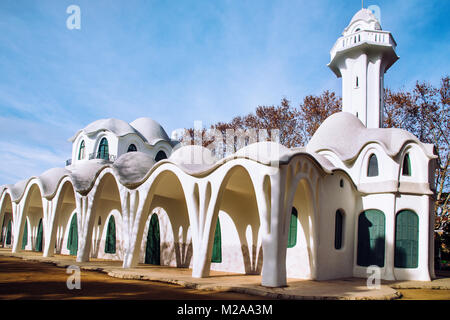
(81, 151)
(406, 168)
(338, 229)
(153, 250)
(292, 235)
(110, 241)
(216, 256)
(40, 237)
(72, 238)
(372, 167)
(371, 238)
(406, 239)
(25, 235)
(103, 149)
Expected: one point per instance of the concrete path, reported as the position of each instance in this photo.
(343, 289)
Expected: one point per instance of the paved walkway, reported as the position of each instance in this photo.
(343, 289)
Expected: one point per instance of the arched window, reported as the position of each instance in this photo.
(371, 238)
(110, 242)
(152, 250)
(217, 246)
(160, 156)
(292, 236)
(81, 151)
(72, 239)
(40, 236)
(406, 168)
(406, 240)
(103, 152)
(25, 235)
(132, 148)
(372, 168)
(338, 229)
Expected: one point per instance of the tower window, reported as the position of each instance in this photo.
(406, 169)
(357, 82)
(372, 168)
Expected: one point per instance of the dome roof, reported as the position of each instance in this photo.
(353, 136)
(132, 167)
(119, 127)
(365, 15)
(151, 130)
(50, 180)
(365, 19)
(265, 152)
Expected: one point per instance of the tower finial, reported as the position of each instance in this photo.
(362, 4)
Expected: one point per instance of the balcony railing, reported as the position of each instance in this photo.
(102, 155)
(372, 36)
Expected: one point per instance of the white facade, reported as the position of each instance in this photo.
(346, 201)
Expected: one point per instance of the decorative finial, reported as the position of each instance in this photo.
(362, 4)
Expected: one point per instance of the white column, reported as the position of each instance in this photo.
(274, 248)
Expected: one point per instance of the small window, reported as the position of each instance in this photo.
(358, 29)
(160, 156)
(292, 237)
(341, 183)
(132, 148)
(338, 227)
(406, 169)
(103, 152)
(372, 168)
(357, 82)
(81, 151)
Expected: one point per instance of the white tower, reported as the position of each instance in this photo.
(361, 57)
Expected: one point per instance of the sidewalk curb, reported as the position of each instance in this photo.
(255, 290)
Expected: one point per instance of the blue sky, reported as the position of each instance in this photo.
(178, 61)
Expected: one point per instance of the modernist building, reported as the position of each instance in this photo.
(357, 195)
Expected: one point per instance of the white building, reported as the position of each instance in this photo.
(357, 195)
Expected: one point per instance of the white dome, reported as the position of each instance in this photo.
(265, 152)
(365, 15)
(193, 155)
(132, 167)
(364, 19)
(151, 130)
(353, 136)
(119, 127)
